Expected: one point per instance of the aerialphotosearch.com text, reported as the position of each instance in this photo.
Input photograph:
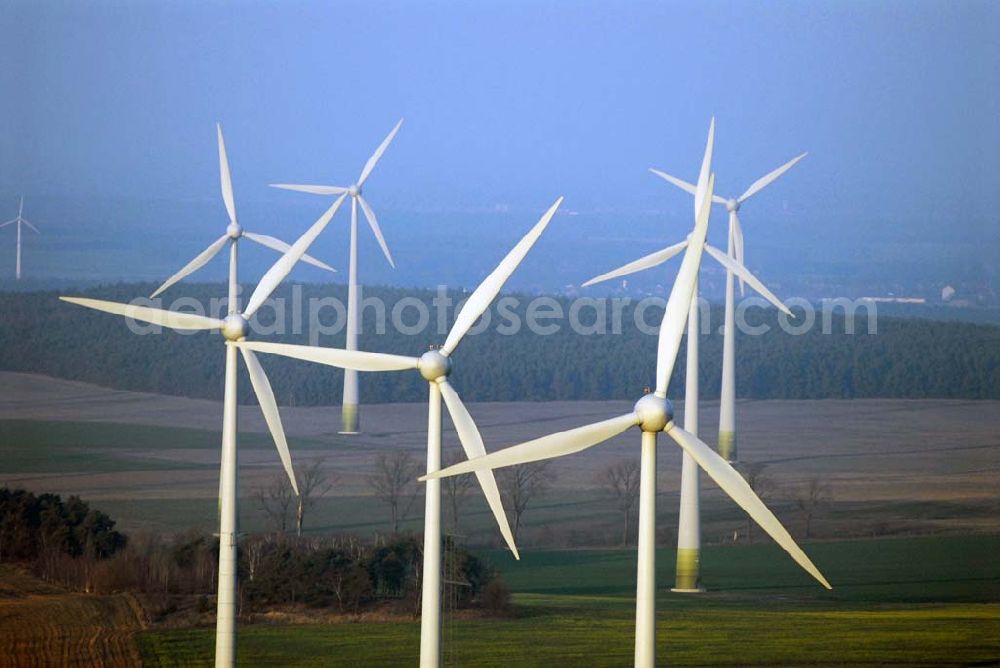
(319, 317)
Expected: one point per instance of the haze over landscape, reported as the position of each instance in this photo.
(108, 131)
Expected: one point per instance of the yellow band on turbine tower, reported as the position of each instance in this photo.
(727, 446)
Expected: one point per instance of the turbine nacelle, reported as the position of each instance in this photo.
(235, 327)
(732, 205)
(434, 366)
(654, 413)
(234, 231)
(354, 191)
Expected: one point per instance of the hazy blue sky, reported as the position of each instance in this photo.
(513, 103)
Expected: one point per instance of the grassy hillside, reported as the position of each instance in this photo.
(929, 601)
(946, 635)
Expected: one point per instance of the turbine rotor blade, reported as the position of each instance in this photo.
(647, 262)
(269, 407)
(733, 484)
(315, 190)
(680, 183)
(739, 270)
(194, 265)
(277, 244)
(376, 230)
(9, 222)
(480, 299)
(280, 269)
(472, 443)
(706, 169)
(678, 305)
(684, 185)
(23, 220)
(156, 316)
(225, 178)
(765, 180)
(377, 155)
(343, 359)
(546, 447)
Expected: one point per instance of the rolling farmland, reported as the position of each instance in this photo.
(909, 538)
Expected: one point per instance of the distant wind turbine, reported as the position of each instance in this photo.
(688, 569)
(727, 405)
(349, 407)
(653, 413)
(435, 366)
(234, 232)
(234, 327)
(20, 220)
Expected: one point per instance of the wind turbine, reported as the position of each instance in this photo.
(688, 569)
(349, 405)
(234, 232)
(435, 366)
(19, 221)
(653, 413)
(234, 327)
(734, 250)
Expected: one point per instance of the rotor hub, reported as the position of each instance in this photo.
(654, 413)
(354, 190)
(235, 327)
(732, 205)
(234, 231)
(434, 365)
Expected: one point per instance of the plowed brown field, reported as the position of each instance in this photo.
(43, 625)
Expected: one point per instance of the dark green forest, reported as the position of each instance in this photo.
(904, 358)
(44, 525)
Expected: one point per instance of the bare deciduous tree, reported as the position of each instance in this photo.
(314, 482)
(456, 488)
(621, 480)
(760, 483)
(394, 481)
(275, 499)
(522, 483)
(255, 547)
(816, 494)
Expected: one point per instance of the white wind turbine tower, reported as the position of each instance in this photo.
(688, 571)
(727, 404)
(20, 220)
(435, 366)
(349, 405)
(234, 327)
(652, 414)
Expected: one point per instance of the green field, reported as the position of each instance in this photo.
(50, 446)
(928, 601)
